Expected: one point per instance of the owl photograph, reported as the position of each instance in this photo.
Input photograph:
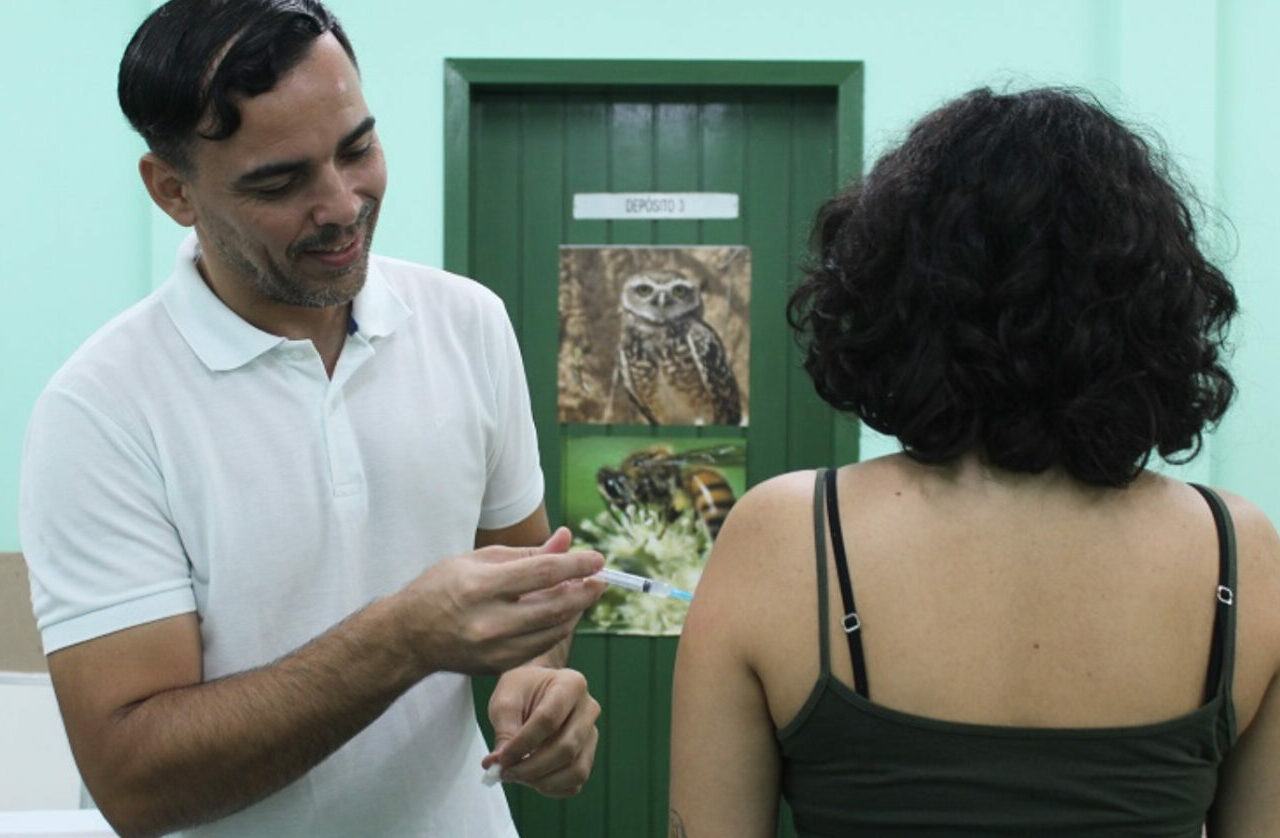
(654, 335)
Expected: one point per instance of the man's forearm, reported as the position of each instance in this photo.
(164, 749)
(236, 740)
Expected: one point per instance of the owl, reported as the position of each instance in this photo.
(671, 363)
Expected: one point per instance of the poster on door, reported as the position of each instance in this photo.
(652, 506)
(654, 335)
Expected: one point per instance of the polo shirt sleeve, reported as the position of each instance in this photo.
(95, 528)
(514, 484)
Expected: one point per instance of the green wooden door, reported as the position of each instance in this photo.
(525, 151)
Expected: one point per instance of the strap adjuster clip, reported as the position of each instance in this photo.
(1225, 595)
(851, 623)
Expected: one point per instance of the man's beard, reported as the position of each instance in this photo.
(275, 283)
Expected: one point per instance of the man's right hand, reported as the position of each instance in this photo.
(498, 607)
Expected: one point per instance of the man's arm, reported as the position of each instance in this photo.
(543, 716)
(138, 715)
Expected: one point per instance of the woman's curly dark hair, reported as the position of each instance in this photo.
(1020, 278)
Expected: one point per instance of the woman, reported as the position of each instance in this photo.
(1013, 627)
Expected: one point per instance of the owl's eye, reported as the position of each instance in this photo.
(644, 289)
(682, 292)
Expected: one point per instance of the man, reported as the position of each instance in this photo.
(248, 501)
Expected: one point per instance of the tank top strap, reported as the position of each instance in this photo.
(851, 623)
(1218, 679)
(820, 549)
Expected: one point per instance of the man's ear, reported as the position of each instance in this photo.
(168, 188)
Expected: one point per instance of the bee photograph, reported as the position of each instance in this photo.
(654, 335)
(651, 506)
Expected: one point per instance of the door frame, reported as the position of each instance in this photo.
(463, 75)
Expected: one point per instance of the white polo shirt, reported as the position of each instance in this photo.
(184, 460)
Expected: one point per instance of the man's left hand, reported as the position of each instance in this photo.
(544, 723)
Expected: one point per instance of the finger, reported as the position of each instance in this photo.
(518, 649)
(556, 752)
(517, 632)
(522, 723)
(551, 607)
(557, 542)
(569, 779)
(521, 576)
(596, 586)
(513, 698)
(551, 730)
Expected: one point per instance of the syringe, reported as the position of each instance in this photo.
(632, 582)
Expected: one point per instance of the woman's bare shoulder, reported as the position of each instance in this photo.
(767, 514)
(778, 512)
(1258, 550)
(766, 546)
(758, 585)
(1251, 524)
(1257, 547)
(785, 490)
(767, 529)
(788, 484)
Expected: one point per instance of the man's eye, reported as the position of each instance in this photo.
(274, 189)
(358, 152)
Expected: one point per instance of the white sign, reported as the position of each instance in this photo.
(649, 205)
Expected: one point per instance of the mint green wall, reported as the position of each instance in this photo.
(74, 247)
(1195, 70)
(1247, 124)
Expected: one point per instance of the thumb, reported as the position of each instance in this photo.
(557, 542)
(494, 757)
(507, 712)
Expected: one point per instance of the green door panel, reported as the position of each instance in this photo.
(517, 149)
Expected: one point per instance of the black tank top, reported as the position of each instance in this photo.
(851, 767)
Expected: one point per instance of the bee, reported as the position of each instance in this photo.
(657, 477)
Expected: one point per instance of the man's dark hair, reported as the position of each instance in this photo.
(1020, 278)
(190, 58)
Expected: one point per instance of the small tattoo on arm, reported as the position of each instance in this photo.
(675, 825)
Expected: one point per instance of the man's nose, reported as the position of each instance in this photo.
(337, 201)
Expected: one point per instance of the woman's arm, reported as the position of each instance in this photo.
(724, 752)
(1248, 799)
(1247, 802)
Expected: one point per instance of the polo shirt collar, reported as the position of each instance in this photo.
(377, 310)
(225, 341)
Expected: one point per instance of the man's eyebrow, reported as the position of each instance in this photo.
(288, 167)
(365, 126)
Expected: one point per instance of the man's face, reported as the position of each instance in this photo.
(286, 206)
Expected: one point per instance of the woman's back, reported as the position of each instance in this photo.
(986, 598)
(848, 762)
(1026, 600)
